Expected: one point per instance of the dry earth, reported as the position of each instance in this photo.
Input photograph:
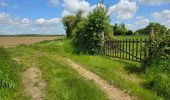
(33, 84)
(112, 92)
(13, 41)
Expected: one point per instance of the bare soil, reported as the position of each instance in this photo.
(13, 41)
(112, 92)
(33, 83)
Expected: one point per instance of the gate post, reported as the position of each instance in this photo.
(103, 44)
(151, 34)
(151, 40)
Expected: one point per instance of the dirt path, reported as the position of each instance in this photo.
(112, 92)
(33, 83)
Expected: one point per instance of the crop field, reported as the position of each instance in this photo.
(13, 41)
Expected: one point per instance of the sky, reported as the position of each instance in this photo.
(44, 16)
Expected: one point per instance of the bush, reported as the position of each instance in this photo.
(156, 66)
(161, 85)
(90, 33)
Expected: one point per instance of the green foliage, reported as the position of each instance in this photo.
(71, 21)
(157, 65)
(158, 28)
(161, 84)
(68, 22)
(130, 32)
(90, 32)
(120, 29)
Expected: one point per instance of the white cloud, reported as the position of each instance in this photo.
(140, 17)
(163, 17)
(44, 22)
(54, 20)
(4, 18)
(17, 25)
(3, 4)
(124, 10)
(41, 21)
(26, 21)
(3, 15)
(154, 2)
(138, 22)
(70, 6)
(142, 22)
(54, 3)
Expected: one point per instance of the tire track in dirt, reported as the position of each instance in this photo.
(33, 84)
(112, 92)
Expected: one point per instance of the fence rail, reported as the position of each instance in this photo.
(129, 49)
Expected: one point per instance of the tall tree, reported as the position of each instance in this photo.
(71, 21)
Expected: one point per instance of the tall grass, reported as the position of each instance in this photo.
(10, 87)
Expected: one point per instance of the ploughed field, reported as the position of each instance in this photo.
(14, 41)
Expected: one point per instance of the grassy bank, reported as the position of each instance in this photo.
(10, 79)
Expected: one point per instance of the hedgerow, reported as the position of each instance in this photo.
(157, 65)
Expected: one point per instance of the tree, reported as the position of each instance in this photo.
(139, 31)
(130, 32)
(71, 21)
(90, 32)
(158, 28)
(119, 29)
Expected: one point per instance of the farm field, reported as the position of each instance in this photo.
(13, 41)
(63, 82)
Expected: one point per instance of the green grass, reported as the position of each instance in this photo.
(63, 83)
(10, 86)
(121, 73)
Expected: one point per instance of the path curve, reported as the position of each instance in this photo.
(112, 92)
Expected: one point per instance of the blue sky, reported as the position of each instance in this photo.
(44, 16)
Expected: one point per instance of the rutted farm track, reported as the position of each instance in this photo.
(35, 86)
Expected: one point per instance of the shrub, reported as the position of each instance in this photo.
(90, 33)
(157, 65)
(161, 85)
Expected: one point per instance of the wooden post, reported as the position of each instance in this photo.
(151, 34)
(151, 40)
(103, 44)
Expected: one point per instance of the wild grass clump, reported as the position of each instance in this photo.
(7, 70)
